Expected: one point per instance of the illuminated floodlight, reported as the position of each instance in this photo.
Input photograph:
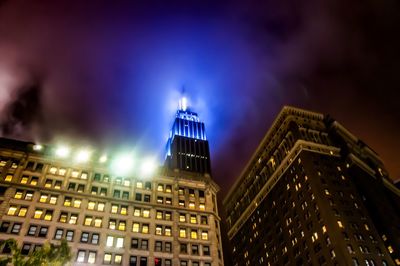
(83, 156)
(103, 159)
(62, 151)
(37, 147)
(148, 167)
(122, 164)
(183, 103)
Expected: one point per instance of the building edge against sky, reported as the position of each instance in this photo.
(313, 193)
(168, 217)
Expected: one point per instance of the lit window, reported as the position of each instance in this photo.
(100, 206)
(84, 175)
(92, 257)
(193, 234)
(167, 231)
(168, 188)
(53, 200)
(146, 213)
(145, 228)
(57, 184)
(182, 217)
(159, 215)
(182, 233)
(81, 256)
(340, 224)
(67, 201)
(88, 220)
(124, 210)
(18, 194)
(158, 230)
(327, 192)
(135, 227)
(136, 212)
(324, 229)
(77, 203)
(43, 198)
(127, 183)
(74, 174)
(9, 177)
(366, 227)
(38, 214)
(12, 210)
(28, 195)
(117, 259)
(22, 211)
(24, 180)
(139, 184)
(111, 224)
(63, 217)
(48, 215)
(91, 205)
(204, 235)
(114, 208)
(73, 219)
(53, 170)
(97, 222)
(110, 241)
(120, 242)
(107, 258)
(48, 183)
(390, 249)
(191, 205)
(62, 171)
(202, 206)
(193, 219)
(160, 187)
(122, 226)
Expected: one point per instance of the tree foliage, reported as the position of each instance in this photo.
(47, 255)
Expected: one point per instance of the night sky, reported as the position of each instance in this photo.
(110, 73)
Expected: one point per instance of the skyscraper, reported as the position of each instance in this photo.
(313, 194)
(187, 147)
(108, 213)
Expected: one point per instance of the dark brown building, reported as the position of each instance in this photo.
(313, 194)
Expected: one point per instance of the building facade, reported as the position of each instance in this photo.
(167, 218)
(313, 194)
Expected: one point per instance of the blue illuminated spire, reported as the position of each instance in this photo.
(189, 131)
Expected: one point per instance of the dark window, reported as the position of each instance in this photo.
(147, 185)
(26, 248)
(95, 239)
(158, 246)
(183, 248)
(125, 195)
(138, 197)
(4, 227)
(146, 198)
(157, 262)
(81, 188)
(32, 230)
(195, 250)
(143, 261)
(168, 247)
(43, 231)
(97, 177)
(133, 261)
(70, 235)
(16, 228)
(144, 244)
(59, 234)
(85, 237)
(117, 194)
(206, 250)
(134, 243)
(71, 186)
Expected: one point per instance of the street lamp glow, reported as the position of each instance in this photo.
(62, 151)
(122, 164)
(148, 167)
(103, 159)
(37, 147)
(83, 156)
